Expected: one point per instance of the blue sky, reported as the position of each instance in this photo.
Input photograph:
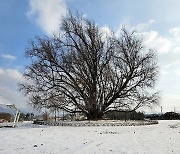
(156, 21)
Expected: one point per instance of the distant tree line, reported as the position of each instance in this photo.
(5, 116)
(23, 116)
(165, 116)
(141, 116)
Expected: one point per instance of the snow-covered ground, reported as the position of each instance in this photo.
(163, 138)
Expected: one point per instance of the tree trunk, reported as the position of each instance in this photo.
(94, 115)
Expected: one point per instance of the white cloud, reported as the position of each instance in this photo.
(8, 56)
(152, 39)
(105, 32)
(178, 73)
(10, 75)
(4, 101)
(9, 78)
(175, 32)
(143, 26)
(47, 14)
(162, 44)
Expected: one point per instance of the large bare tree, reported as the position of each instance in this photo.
(82, 70)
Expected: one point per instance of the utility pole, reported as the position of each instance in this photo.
(55, 114)
(161, 110)
(63, 114)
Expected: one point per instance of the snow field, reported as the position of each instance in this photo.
(163, 138)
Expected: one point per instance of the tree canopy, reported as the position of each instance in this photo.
(83, 70)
